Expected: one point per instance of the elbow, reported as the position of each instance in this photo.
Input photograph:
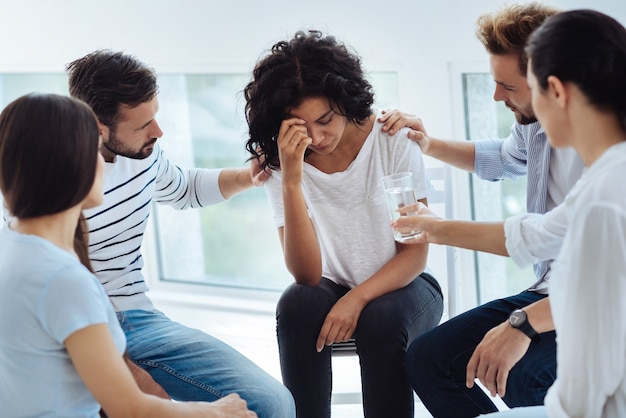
(308, 278)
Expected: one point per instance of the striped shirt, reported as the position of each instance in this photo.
(116, 228)
(550, 172)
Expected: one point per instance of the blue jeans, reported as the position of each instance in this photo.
(193, 366)
(437, 362)
(385, 328)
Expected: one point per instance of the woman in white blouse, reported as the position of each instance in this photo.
(577, 75)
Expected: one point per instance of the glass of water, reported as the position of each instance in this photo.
(400, 192)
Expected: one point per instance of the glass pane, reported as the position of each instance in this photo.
(13, 86)
(234, 243)
(497, 276)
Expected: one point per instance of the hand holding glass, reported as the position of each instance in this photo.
(399, 192)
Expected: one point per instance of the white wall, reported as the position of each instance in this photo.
(415, 37)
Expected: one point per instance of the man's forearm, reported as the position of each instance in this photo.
(540, 315)
(234, 180)
(460, 154)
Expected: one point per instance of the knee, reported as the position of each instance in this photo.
(423, 361)
(299, 299)
(300, 305)
(277, 402)
(418, 355)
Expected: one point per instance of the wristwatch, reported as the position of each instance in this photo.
(519, 320)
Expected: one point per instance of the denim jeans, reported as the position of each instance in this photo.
(437, 362)
(193, 366)
(385, 328)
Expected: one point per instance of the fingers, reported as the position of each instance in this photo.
(394, 122)
(503, 376)
(261, 177)
(416, 136)
(471, 370)
(293, 134)
(412, 208)
(293, 141)
(487, 377)
(405, 224)
(332, 332)
(492, 376)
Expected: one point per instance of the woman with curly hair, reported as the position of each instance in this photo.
(311, 121)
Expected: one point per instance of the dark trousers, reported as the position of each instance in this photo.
(437, 362)
(385, 328)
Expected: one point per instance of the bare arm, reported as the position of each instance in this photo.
(236, 180)
(341, 321)
(108, 378)
(303, 257)
(457, 153)
(472, 235)
(145, 382)
(298, 239)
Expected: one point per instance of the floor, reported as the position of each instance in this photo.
(254, 336)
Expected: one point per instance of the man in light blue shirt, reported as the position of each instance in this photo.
(497, 342)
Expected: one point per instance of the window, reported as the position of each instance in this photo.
(485, 118)
(234, 243)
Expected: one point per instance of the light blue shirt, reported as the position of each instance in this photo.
(45, 296)
(527, 151)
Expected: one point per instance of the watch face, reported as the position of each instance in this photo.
(517, 318)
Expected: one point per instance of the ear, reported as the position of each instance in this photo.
(558, 91)
(103, 130)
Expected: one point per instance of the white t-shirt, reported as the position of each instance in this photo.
(46, 295)
(348, 208)
(588, 295)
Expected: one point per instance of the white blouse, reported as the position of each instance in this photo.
(588, 294)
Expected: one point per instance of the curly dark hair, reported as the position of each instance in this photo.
(309, 65)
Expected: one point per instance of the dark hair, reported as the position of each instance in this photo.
(506, 31)
(308, 65)
(48, 154)
(587, 48)
(106, 79)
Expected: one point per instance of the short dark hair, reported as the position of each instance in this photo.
(105, 79)
(308, 65)
(506, 31)
(48, 154)
(587, 48)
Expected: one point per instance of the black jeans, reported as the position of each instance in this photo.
(386, 327)
(437, 362)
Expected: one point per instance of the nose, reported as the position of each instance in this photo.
(499, 94)
(155, 130)
(317, 135)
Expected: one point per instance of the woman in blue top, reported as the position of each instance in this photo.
(61, 347)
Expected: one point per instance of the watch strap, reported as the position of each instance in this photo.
(526, 328)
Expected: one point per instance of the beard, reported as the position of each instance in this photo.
(524, 120)
(116, 146)
(525, 117)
